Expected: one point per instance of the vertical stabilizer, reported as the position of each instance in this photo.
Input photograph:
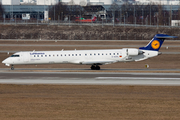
(156, 43)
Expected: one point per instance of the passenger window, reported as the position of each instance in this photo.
(117, 53)
(94, 53)
(65, 55)
(76, 54)
(102, 54)
(41, 55)
(98, 54)
(45, 55)
(109, 53)
(49, 55)
(61, 55)
(79, 54)
(69, 55)
(34, 55)
(85, 54)
(72, 54)
(114, 53)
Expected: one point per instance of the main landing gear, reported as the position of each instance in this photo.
(12, 67)
(93, 67)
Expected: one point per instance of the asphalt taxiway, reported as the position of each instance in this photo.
(111, 70)
(90, 78)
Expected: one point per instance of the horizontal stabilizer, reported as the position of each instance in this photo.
(163, 36)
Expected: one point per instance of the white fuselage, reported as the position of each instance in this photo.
(88, 57)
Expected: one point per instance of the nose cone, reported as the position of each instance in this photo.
(7, 60)
(4, 61)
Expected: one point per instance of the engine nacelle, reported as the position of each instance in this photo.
(133, 52)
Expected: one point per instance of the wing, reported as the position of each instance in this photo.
(99, 62)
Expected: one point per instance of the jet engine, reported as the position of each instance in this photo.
(133, 52)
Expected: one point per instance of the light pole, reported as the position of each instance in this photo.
(134, 16)
(142, 16)
(124, 20)
(4, 18)
(11, 13)
(44, 9)
(120, 16)
(127, 17)
(12, 8)
(158, 21)
(62, 16)
(150, 14)
(54, 12)
(113, 18)
(164, 20)
(15, 19)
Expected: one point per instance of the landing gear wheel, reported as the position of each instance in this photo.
(95, 67)
(12, 67)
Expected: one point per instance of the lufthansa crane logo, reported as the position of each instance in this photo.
(155, 44)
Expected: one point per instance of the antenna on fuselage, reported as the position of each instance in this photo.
(62, 50)
(33, 50)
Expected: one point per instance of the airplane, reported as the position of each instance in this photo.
(95, 58)
(86, 20)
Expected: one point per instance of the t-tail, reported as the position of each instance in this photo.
(156, 43)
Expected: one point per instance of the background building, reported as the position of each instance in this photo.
(45, 10)
(28, 1)
(10, 2)
(47, 2)
(162, 2)
(89, 2)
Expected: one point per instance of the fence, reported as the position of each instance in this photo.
(73, 23)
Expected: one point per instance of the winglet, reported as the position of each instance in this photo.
(156, 42)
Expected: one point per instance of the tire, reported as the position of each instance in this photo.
(98, 68)
(93, 67)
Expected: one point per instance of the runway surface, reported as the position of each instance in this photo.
(90, 78)
(88, 69)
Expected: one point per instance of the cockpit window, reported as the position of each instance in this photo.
(14, 55)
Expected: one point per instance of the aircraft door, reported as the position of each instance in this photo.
(26, 57)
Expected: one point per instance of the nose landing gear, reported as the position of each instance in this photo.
(93, 67)
(12, 67)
